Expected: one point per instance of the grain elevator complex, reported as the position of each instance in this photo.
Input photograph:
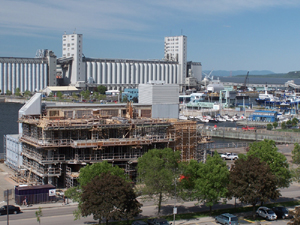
(73, 68)
(56, 139)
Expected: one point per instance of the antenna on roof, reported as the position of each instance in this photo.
(74, 31)
(181, 31)
(65, 32)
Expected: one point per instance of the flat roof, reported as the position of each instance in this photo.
(62, 88)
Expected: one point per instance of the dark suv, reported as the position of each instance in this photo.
(281, 212)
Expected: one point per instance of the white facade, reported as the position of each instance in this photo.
(176, 51)
(13, 151)
(120, 74)
(164, 99)
(27, 74)
(72, 47)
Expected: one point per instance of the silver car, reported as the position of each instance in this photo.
(266, 213)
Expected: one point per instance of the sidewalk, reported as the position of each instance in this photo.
(201, 220)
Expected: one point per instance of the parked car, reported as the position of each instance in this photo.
(139, 222)
(229, 156)
(11, 209)
(281, 212)
(158, 222)
(227, 219)
(266, 213)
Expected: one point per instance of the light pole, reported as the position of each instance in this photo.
(174, 209)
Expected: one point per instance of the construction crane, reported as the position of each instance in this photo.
(244, 87)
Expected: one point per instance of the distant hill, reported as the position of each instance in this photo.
(225, 73)
(253, 73)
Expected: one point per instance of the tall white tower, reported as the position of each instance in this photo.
(176, 50)
(72, 47)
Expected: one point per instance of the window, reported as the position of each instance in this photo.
(68, 54)
(68, 44)
(64, 48)
(64, 44)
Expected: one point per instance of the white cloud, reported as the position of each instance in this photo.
(110, 17)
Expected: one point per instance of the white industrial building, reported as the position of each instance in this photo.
(28, 74)
(164, 99)
(35, 74)
(13, 151)
(118, 74)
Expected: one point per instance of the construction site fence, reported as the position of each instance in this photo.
(35, 199)
(226, 145)
(254, 135)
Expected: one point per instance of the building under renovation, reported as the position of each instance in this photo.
(58, 139)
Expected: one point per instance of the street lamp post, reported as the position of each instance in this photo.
(174, 209)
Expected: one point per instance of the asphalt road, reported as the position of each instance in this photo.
(64, 214)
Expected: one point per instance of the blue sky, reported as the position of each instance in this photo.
(222, 34)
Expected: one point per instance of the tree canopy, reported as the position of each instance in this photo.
(88, 172)
(109, 197)
(212, 182)
(101, 89)
(267, 151)
(157, 171)
(252, 181)
(296, 160)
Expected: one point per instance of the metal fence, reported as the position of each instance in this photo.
(254, 135)
(35, 198)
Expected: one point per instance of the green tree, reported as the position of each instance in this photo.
(96, 95)
(85, 94)
(289, 123)
(88, 172)
(125, 99)
(269, 126)
(18, 93)
(39, 214)
(267, 151)
(50, 94)
(8, 92)
(59, 95)
(252, 181)
(188, 181)
(101, 89)
(101, 97)
(275, 124)
(211, 184)
(74, 96)
(294, 122)
(296, 154)
(109, 197)
(157, 171)
(283, 125)
(27, 94)
(296, 160)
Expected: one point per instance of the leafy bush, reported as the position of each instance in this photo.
(269, 126)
